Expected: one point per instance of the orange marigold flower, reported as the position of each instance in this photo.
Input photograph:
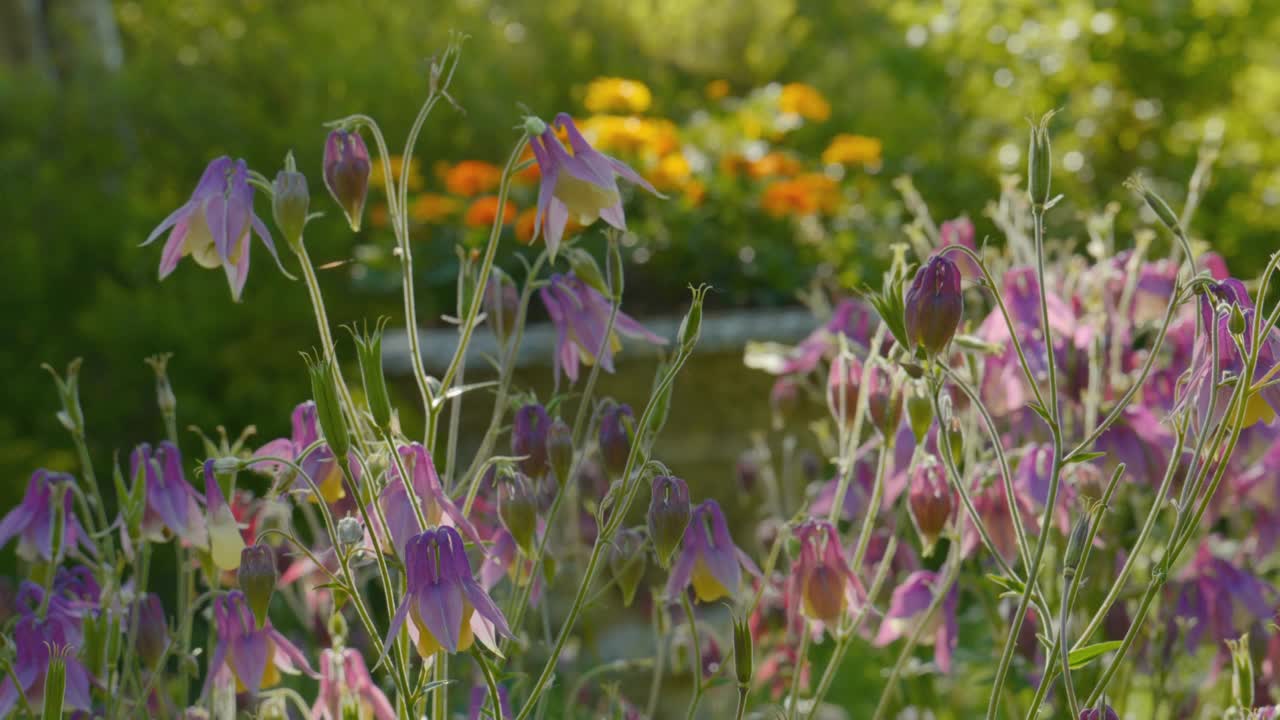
(484, 211)
(609, 94)
(671, 172)
(432, 207)
(378, 215)
(717, 89)
(397, 162)
(807, 194)
(695, 192)
(472, 177)
(773, 164)
(805, 101)
(846, 149)
(531, 173)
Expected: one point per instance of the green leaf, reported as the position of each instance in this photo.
(1083, 656)
(1039, 409)
(1007, 583)
(1083, 457)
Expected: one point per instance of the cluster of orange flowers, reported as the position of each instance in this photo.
(664, 152)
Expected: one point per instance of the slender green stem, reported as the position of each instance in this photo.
(793, 695)
(489, 680)
(743, 693)
(660, 654)
(696, 660)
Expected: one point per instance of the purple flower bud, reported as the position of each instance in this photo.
(668, 516)
(518, 508)
(152, 630)
(560, 449)
(931, 501)
(884, 402)
(529, 439)
(934, 304)
(257, 577)
(346, 173)
(1103, 713)
(627, 562)
(616, 428)
(747, 472)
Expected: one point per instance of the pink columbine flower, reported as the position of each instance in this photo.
(172, 505)
(709, 560)
(822, 587)
(909, 601)
(582, 185)
(32, 520)
(319, 464)
(436, 505)
(213, 226)
(255, 655)
(581, 314)
(344, 677)
(448, 607)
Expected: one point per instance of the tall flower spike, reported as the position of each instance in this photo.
(447, 606)
(583, 185)
(346, 173)
(213, 226)
(32, 520)
(581, 314)
(225, 541)
(255, 655)
(709, 561)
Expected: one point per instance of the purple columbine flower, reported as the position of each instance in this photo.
(1211, 594)
(504, 560)
(213, 226)
(32, 521)
(256, 656)
(319, 464)
(344, 678)
(448, 607)
(173, 506)
(581, 314)
(709, 561)
(480, 708)
(909, 601)
(225, 541)
(850, 318)
(822, 587)
(34, 639)
(529, 438)
(583, 185)
(436, 505)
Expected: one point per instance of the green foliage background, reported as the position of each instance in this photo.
(93, 154)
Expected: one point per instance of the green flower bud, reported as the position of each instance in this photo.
(518, 508)
(691, 325)
(1163, 212)
(1236, 321)
(669, 513)
(1076, 545)
(1040, 162)
(257, 577)
(290, 201)
(627, 562)
(55, 681)
(743, 652)
(560, 449)
(350, 531)
(585, 267)
(919, 410)
(369, 353)
(1242, 684)
(324, 390)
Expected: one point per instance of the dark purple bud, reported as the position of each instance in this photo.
(1103, 713)
(518, 508)
(934, 305)
(346, 173)
(257, 576)
(884, 402)
(669, 513)
(560, 449)
(747, 472)
(152, 630)
(627, 562)
(842, 388)
(931, 501)
(529, 439)
(712, 655)
(616, 429)
(810, 465)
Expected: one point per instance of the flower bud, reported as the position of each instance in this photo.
(1040, 163)
(1242, 684)
(669, 513)
(165, 399)
(346, 173)
(369, 354)
(1076, 545)
(585, 267)
(501, 304)
(350, 531)
(747, 472)
(934, 305)
(919, 410)
(616, 430)
(1235, 320)
(742, 651)
(956, 442)
(560, 449)
(257, 576)
(1163, 212)
(691, 325)
(148, 622)
(529, 439)
(290, 201)
(518, 508)
(1103, 712)
(324, 390)
(534, 125)
(55, 680)
(884, 402)
(842, 388)
(931, 501)
(627, 561)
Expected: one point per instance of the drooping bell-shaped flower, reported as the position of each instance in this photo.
(617, 425)
(906, 609)
(147, 617)
(529, 438)
(257, 577)
(172, 505)
(319, 463)
(225, 540)
(346, 173)
(822, 587)
(446, 604)
(32, 520)
(934, 304)
(582, 185)
(256, 656)
(437, 507)
(581, 315)
(709, 560)
(930, 500)
(213, 226)
(669, 514)
(345, 683)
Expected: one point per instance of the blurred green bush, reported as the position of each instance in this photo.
(108, 112)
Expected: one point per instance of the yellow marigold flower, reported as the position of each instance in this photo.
(631, 135)
(619, 95)
(432, 207)
(671, 172)
(695, 192)
(472, 177)
(717, 89)
(805, 101)
(484, 211)
(773, 164)
(397, 162)
(846, 149)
